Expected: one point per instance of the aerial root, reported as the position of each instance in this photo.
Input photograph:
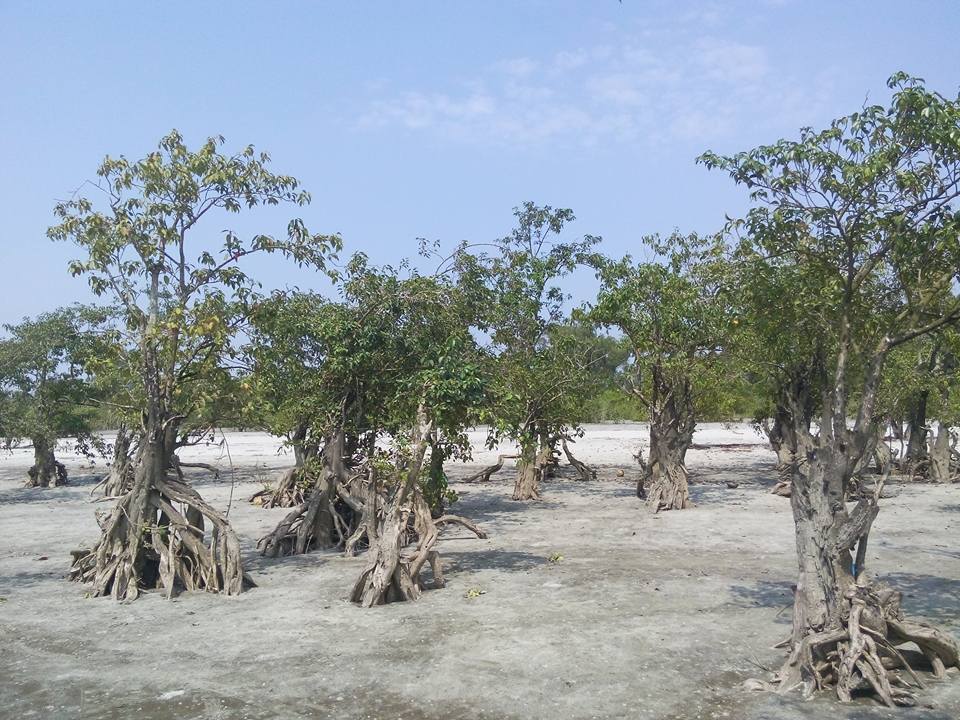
(167, 550)
(328, 515)
(863, 654)
(391, 575)
(290, 491)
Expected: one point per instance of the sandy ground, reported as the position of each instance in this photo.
(644, 617)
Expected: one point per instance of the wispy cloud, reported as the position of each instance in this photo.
(648, 88)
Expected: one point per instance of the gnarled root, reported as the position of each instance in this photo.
(155, 538)
(668, 489)
(391, 576)
(52, 473)
(863, 654)
(289, 491)
(329, 517)
(120, 478)
(325, 518)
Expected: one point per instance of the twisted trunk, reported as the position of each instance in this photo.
(155, 536)
(46, 470)
(670, 438)
(672, 424)
(784, 442)
(315, 524)
(532, 466)
(943, 465)
(120, 478)
(846, 626)
(386, 577)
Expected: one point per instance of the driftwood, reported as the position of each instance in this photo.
(487, 472)
(583, 470)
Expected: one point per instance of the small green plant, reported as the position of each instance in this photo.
(555, 558)
(474, 592)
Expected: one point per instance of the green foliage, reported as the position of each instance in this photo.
(364, 363)
(851, 243)
(180, 300)
(675, 316)
(926, 368)
(436, 489)
(538, 375)
(45, 389)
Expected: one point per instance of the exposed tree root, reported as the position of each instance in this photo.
(328, 514)
(391, 522)
(350, 508)
(155, 537)
(290, 491)
(667, 477)
(847, 628)
(52, 473)
(391, 575)
(46, 470)
(327, 518)
(669, 489)
(120, 477)
(862, 653)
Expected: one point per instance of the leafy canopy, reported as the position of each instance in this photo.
(181, 296)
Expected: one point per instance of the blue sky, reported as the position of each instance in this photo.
(434, 119)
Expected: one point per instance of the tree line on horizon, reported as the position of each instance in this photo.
(828, 313)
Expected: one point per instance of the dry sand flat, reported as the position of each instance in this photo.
(644, 617)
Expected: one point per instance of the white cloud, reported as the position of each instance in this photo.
(731, 61)
(518, 67)
(417, 110)
(646, 88)
(621, 89)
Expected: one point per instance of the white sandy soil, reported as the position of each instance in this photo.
(644, 617)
